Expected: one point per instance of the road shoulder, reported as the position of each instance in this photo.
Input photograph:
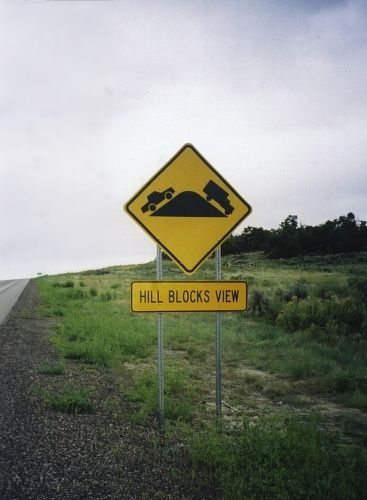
(45, 453)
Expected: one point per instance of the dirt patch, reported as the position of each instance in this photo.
(264, 393)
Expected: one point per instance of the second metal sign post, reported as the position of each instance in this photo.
(188, 209)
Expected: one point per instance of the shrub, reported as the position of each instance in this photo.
(341, 316)
(106, 296)
(359, 287)
(328, 290)
(93, 291)
(58, 312)
(258, 302)
(275, 304)
(101, 272)
(65, 284)
(299, 290)
(76, 294)
(262, 305)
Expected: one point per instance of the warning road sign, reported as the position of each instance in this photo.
(188, 208)
(188, 296)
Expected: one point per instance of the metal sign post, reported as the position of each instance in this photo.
(160, 347)
(188, 209)
(218, 342)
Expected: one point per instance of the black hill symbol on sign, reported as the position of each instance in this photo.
(189, 203)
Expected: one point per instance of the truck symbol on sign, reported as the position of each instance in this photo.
(155, 198)
(216, 193)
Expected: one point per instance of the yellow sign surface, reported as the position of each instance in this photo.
(188, 208)
(188, 296)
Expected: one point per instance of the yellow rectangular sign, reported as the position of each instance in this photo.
(188, 296)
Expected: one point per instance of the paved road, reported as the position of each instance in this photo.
(10, 290)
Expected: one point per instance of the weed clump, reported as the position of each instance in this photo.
(282, 458)
(105, 296)
(70, 401)
(299, 291)
(258, 303)
(76, 294)
(179, 390)
(64, 284)
(52, 369)
(58, 313)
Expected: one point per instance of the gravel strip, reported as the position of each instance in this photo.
(45, 454)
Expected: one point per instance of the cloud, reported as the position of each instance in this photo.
(96, 96)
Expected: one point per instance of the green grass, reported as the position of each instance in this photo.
(181, 391)
(68, 401)
(99, 329)
(96, 332)
(279, 458)
(52, 369)
(328, 368)
(356, 398)
(276, 456)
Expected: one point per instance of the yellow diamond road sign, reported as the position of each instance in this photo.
(188, 208)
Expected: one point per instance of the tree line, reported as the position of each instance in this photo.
(291, 239)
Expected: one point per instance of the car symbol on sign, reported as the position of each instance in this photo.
(155, 198)
(216, 193)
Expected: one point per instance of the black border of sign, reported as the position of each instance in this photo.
(188, 311)
(157, 241)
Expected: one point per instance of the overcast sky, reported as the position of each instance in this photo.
(95, 96)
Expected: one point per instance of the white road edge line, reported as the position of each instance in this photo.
(9, 285)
